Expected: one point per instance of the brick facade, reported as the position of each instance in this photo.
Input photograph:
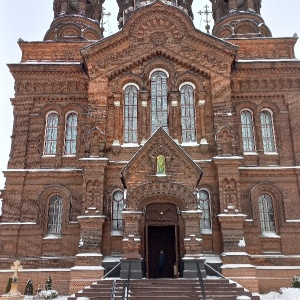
(75, 71)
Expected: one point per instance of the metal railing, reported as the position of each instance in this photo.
(113, 290)
(218, 274)
(110, 271)
(201, 281)
(126, 285)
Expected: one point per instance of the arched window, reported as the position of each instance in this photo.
(267, 131)
(55, 215)
(160, 165)
(247, 131)
(266, 213)
(188, 113)
(117, 207)
(159, 103)
(130, 114)
(71, 134)
(204, 204)
(51, 134)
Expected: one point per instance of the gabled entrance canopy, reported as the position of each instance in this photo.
(161, 168)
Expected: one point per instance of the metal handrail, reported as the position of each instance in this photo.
(201, 281)
(110, 271)
(113, 290)
(215, 271)
(126, 285)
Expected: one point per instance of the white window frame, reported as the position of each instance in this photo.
(192, 131)
(164, 102)
(205, 230)
(55, 217)
(52, 153)
(273, 131)
(65, 135)
(266, 217)
(126, 129)
(252, 151)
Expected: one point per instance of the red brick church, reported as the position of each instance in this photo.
(159, 137)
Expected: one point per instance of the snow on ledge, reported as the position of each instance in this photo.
(278, 267)
(18, 223)
(89, 254)
(237, 266)
(235, 253)
(87, 268)
(270, 235)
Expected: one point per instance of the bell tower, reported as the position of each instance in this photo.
(76, 20)
(127, 7)
(238, 19)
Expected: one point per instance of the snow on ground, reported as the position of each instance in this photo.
(285, 294)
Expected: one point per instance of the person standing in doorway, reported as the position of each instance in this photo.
(162, 264)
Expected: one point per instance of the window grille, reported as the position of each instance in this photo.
(247, 131)
(117, 207)
(71, 134)
(267, 131)
(159, 103)
(266, 213)
(188, 114)
(130, 114)
(55, 215)
(51, 134)
(204, 204)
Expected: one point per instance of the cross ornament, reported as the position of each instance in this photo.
(16, 267)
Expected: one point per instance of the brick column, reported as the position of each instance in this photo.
(82, 7)
(192, 244)
(192, 240)
(144, 131)
(131, 245)
(63, 8)
(250, 5)
(174, 124)
(232, 5)
(117, 106)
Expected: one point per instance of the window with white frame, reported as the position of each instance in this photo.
(267, 131)
(159, 103)
(71, 133)
(204, 205)
(117, 208)
(266, 213)
(51, 130)
(55, 216)
(247, 131)
(130, 114)
(187, 113)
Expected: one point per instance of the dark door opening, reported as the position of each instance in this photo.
(161, 238)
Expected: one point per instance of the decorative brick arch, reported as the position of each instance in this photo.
(43, 204)
(161, 192)
(277, 200)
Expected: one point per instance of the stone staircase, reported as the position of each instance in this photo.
(158, 289)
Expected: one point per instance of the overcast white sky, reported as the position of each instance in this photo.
(30, 19)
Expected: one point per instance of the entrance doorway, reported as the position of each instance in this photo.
(161, 238)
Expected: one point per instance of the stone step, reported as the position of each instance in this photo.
(156, 289)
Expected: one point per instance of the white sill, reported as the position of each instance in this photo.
(271, 153)
(206, 231)
(250, 153)
(69, 155)
(48, 155)
(127, 145)
(116, 233)
(52, 237)
(269, 234)
(190, 144)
